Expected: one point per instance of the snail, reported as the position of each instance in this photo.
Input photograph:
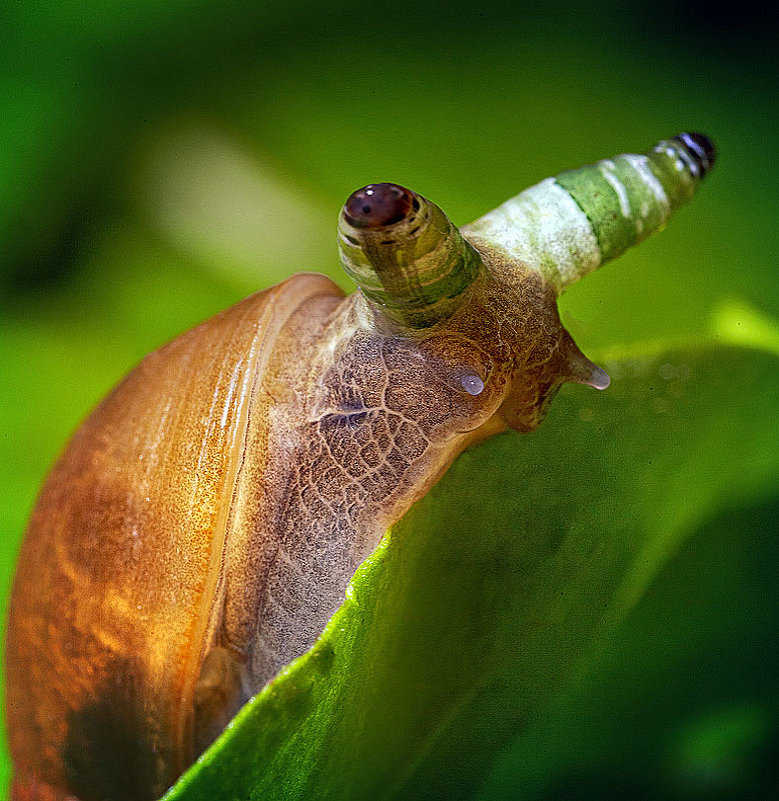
(203, 523)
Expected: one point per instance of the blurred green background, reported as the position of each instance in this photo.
(160, 160)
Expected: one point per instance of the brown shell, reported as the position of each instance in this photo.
(118, 585)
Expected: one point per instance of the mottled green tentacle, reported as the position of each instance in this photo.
(569, 225)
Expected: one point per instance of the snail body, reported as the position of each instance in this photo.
(202, 525)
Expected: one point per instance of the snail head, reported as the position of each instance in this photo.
(496, 281)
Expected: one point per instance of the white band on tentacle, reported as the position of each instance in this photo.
(641, 165)
(544, 228)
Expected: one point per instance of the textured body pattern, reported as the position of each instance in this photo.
(355, 441)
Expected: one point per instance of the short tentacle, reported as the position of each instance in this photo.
(408, 259)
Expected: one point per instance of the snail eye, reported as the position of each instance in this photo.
(700, 148)
(378, 205)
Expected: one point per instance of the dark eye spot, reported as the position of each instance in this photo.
(378, 205)
(700, 148)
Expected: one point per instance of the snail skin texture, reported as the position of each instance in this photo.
(201, 526)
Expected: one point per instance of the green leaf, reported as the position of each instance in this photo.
(487, 600)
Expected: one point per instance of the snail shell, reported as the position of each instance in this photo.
(201, 526)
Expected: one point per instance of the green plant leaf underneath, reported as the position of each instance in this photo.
(485, 601)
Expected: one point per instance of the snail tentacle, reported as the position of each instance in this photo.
(569, 225)
(410, 262)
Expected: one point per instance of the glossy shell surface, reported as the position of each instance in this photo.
(124, 566)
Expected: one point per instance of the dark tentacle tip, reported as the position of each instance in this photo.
(378, 205)
(701, 150)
